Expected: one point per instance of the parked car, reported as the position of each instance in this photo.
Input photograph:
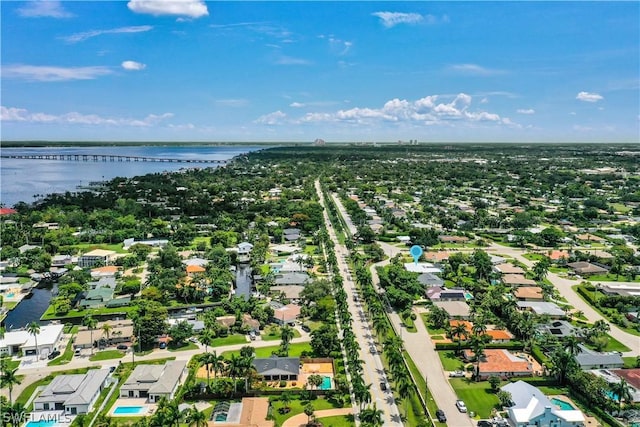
(112, 368)
(485, 423)
(441, 416)
(461, 406)
(53, 354)
(456, 374)
(305, 328)
(121, 347)
(383, 386)
(162, 345)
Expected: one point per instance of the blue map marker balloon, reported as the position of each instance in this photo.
(416, 253)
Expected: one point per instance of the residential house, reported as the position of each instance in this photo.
(194, 269)
(497, 260)
(106, 271)
(154, 381)
(588, 237)
(590, 359)
(558, 328)
(285, 314)
(517, 280)
(61, 260)
(291, 292)
(446, 294)
(96, 256)
(558, 255)
(541, 308)
(292, 279)
(21, 341)
(95, 298)
(276, 368)
(632, 377)
(586, 268)
(201, 262)
(430, 280)
(422, 267)
(508, 268)
(528, 293)
(436, 256)
(501, 363)
(455, 309)
(244, 248)
(453, 239)
(73, 394)
(631, 289)
(532, 408)
(291, 234)
(121, 332)
(154, 243)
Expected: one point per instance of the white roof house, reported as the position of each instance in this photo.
(21, 340)
(244, 248)
(541, 308)
(422, 267)
(154, 381)
(532, 407)
(74, 394)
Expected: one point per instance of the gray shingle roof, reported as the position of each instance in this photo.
(277, 365)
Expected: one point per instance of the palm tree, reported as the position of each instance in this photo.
(286, 334)
(134, 340)
(285, 398)
(216, 362)
(361, 392)
(196, 418)
(8, 379)
(235, 369)
(106, 330)
(572, 345)
(206, 338)
(457, 332)
(371, 416)
(34, 329)
(477, 346)
(90, 323)
(621, 391)
(308, 411)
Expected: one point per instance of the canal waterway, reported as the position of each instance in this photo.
(244, 281)
(29, 309)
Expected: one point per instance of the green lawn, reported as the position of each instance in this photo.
(294, 350)
(9, 364)
(598, 294)
(338, 421)
(50, 314)
(613, 345)
(476, 395)
(65, 357)
(184, 347)
(533, 257)
(297, 407)
(630, 362)
(432, 331)
(230, 340)
(450, 362)
(421, 385)
(106, 355)
(611, 278)
(273, 332)
(619, 207)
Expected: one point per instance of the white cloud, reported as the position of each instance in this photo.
(427, 111)
(296, 105)
(44, 8)
(133, 66)
(79, 37)
(53, 74)
(188, 8)
(12, 114)
(476, 69)
(275, 118)
(391, 19)
(339, 47)
(526, 111)
(589, 97)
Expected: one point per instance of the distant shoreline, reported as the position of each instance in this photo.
(43, 144)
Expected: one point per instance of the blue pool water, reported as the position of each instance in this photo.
(326, 383)
(468, 296)
(11, 295)
(128, 410)
(42, 423)
(222, 416)
(562, 404)
(611, 395)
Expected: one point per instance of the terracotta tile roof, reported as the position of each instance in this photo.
(106, 269)
(528, 292)
(499, 360)
(499, 334)
(436, 256)
(557, 255)
(466, 323)
(195, 269)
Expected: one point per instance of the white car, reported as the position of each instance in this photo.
(461, 406)
(456, 374)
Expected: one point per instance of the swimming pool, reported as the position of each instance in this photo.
(220, 417)
(41, 423)
(565, 406)
(128, 410)
(11, 295)
(326, 383)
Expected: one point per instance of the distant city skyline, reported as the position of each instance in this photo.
(188, 70)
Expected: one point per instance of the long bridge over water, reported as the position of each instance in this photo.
(105, 158)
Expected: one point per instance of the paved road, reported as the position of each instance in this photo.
(373, 369)
(563, 285)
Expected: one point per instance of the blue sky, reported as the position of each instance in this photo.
(341, 71)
